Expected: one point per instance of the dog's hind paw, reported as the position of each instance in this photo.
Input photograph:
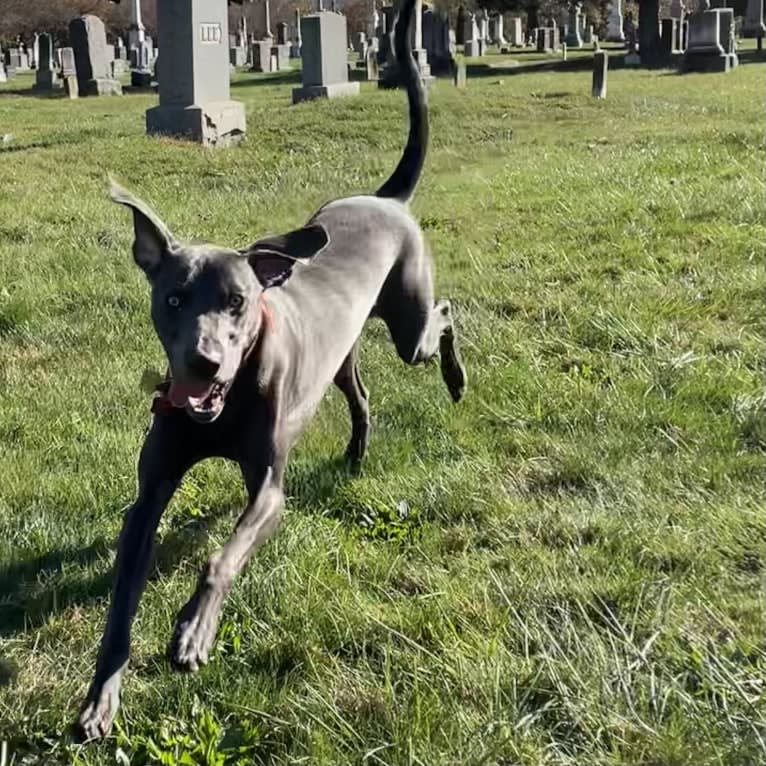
(452, 368)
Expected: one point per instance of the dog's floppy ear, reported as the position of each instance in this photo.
(153, 240)
(273, 258)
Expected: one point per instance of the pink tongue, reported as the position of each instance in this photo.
(180, 393)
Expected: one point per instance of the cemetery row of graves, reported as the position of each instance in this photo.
(194, 95)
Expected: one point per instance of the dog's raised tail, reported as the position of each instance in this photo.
(401, 185)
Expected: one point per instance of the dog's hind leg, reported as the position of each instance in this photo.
(349, 381)
(420, 328)
(161, 466)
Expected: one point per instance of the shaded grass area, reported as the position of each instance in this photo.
(566, 568)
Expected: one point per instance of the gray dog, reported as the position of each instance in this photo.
(253, 339)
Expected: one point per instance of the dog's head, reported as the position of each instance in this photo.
(206, 301)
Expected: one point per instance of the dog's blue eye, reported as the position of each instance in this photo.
(236, 301)
(174, 301)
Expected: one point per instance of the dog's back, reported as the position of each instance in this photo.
(328, 300)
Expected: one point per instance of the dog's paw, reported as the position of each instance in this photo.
(192, 641)
(355, 452)
(98, 712)
(452, 368)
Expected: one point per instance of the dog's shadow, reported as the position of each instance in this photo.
(34, 589)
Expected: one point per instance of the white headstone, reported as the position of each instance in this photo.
(516, 35)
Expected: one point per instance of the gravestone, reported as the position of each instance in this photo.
(711, 46)
(496, 36)
(460, 26)
(678, 12)
(373, 21)
(88, 38)
(3, 73)
(386, 29)
(325, 71)
(459, 74)
(280, 55)
(545, 39)
(68, 68)
(237, 56)
(419, 53)
(267, 20)
(600, 69)
(141, 72)
(754, 25)
(195, 101)
(472, 45)
(295, 48)
(669, 37)
(46, 77)
(71, 88)
(371, 60)
(13, 59)
(118, 67)
(614, 32)
(242, 33)
(282, 33)
(516, 35)
(555, 39)
(120, 51)
(260, 56)
(574, 31)
(436, 41)
(17, 58)
(631, 41)
(483, 18)
(360, 45)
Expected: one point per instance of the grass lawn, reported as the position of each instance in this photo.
(566, 568)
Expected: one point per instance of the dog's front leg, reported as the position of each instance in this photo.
(197, 622)
(160, 469)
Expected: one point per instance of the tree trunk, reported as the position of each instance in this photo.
(649, 33)
(532, 21)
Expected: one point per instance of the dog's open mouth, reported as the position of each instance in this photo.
(203, 401)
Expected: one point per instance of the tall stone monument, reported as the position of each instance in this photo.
(419, 53)
(295, 47)
(140, 53)
(325, 69)
(575, 26)
(88, 37)
(517, 35)
(614, 31)
(45, 77)
(195, 101)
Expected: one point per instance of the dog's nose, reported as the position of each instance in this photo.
(201, 365)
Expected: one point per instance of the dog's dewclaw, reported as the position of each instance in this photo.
(150, 379)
